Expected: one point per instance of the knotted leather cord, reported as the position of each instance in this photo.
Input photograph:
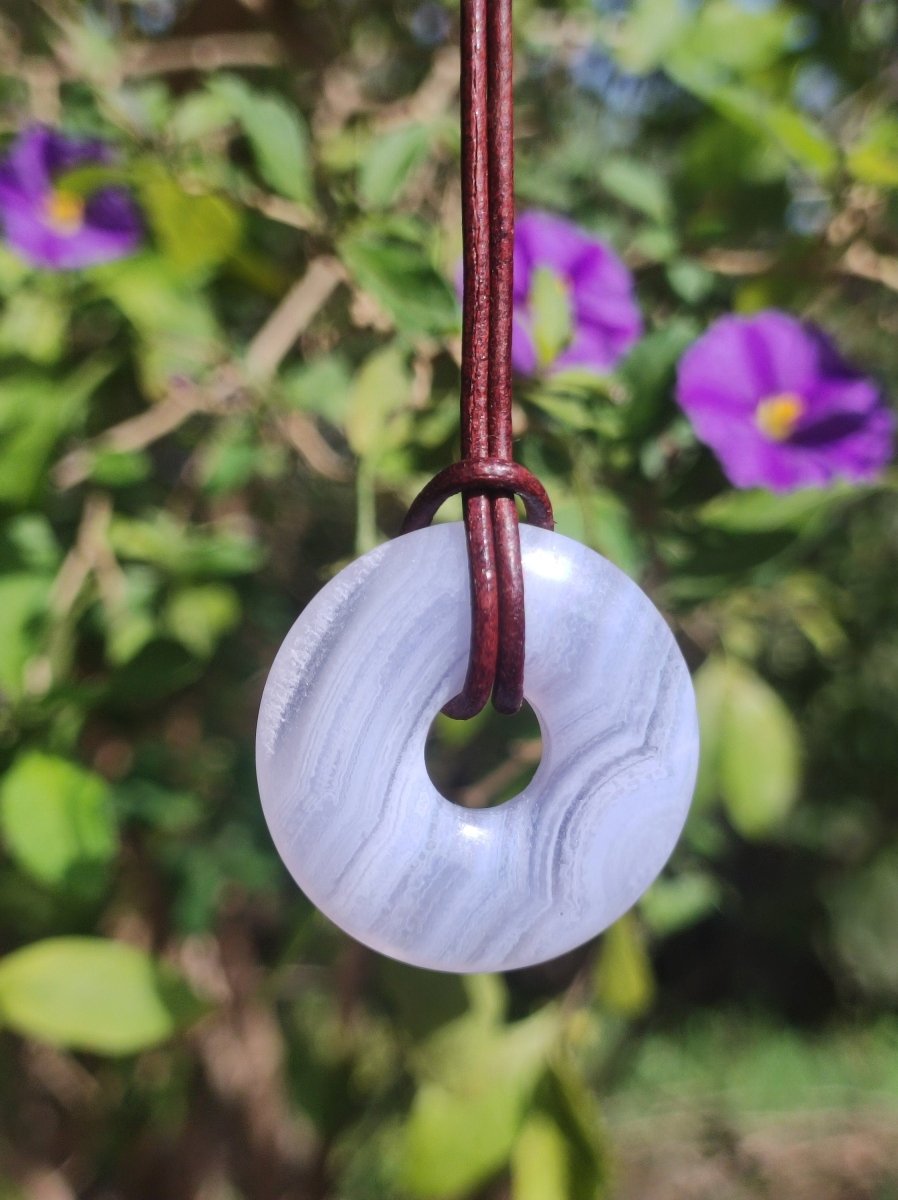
(487, 477)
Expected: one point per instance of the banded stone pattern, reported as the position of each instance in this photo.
(351, 808)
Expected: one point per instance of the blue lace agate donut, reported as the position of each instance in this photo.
(355, 816)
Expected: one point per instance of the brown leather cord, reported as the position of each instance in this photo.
(487, 477)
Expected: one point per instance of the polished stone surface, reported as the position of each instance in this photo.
(340, 753)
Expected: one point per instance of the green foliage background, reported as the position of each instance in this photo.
(196, 438)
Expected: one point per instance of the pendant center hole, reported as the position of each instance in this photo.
(483, 762)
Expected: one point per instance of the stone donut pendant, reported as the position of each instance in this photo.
(361, 827)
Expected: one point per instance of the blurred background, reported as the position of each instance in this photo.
(229, 339)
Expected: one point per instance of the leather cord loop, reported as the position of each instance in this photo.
(482, 477)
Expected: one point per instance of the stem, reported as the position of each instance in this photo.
(367, 535)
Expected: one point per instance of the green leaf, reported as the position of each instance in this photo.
(321, 386)
(277, 134)
(389, 162)
(27, 541)
(690, 280)
(92, 994)
(379, 391)
(759, 511)
(865, 932)
(34, 325)
(564, 1097)
(23, 610)
(798, 137)
(553, 324)
(539, 1164)
(637, 184)
(719, 35)
(230, 458)
(199, 617)
(195, 233)
(625, 982)
(424, 1000)
(712, 682)
(652, 29)
(198, 115)
(35, 410)
(599, 518)
(672, 904)
(179, 335)
(738, 39)
(56, 819)
(184, 550)
(172, 813)
(750, 747)
(391, 262)
(561, 1152)
(477, 1078)
(874, 157)
(648, 371)
(114, 469)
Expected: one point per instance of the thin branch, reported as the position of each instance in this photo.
(342, 97)
(134, 434)
(187, 399)
(863, 262)
(292, 317)
(521, 754)
(209, 52)
(89, 555)
(738, 262)
(137, 60)
(276, 208)
(303, 434)
(430, 100)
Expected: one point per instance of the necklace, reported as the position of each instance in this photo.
(448, 616)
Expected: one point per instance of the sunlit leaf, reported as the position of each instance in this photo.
(750, 747)
(277, 133)
(178, 333)
(35, 410)
(625, 981)
(675, 903)
(389, 161)
(378, 392)
(540, 1161)
(393, 264)
(56, 819)
(92, 994)
(195, 232)
(552, 314)
(200, 616)
(756, 510)
(638, 185)
(874, 156)
(23, 608)
(476, 1078)
(34, 326)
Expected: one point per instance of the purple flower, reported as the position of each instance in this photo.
(51, 225)
(559, 266)
(780, 407)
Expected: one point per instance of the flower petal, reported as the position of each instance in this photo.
(741, 361)
(548, 241)
(845, 431)
(43, 246)
(596, 346)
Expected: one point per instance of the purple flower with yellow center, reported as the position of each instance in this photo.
(574, 306)
(54, 225)
(780, 407)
